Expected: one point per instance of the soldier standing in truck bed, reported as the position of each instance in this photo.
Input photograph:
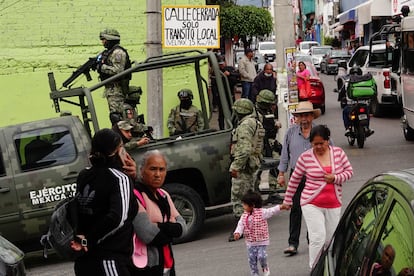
(185, 117)
(112, 61)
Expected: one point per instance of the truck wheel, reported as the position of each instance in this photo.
(408, 133)
(375, 107)
(190, 206)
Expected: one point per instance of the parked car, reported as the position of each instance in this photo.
(305, 46)
(381, 213)
(317, 87)
(317, 53)
(261, 62)
(303, 57)
(330, 62)
(267, 49)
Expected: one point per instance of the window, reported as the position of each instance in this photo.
(44, 148)
(408, 53)
(359, 58)
(399, 233)
(353, 235)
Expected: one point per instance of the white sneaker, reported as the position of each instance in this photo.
(266, 271)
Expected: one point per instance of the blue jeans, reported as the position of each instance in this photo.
(246, 89)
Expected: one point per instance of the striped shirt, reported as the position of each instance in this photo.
(309, 165)
(294, 144)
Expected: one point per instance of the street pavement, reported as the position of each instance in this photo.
(212, 254)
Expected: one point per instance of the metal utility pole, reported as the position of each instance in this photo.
(284, 28)
(154, 77)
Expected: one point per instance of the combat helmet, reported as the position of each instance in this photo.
(243, 106)
(265, 96)
(109, 34)
(185, 93)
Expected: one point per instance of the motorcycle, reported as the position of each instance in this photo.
(358, 117)
(355, 96)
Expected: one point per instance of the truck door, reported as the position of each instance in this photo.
(47, 158)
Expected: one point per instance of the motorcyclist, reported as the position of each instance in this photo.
(355, 70)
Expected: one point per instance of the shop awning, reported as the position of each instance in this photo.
(371, 8)
(336, 27)
(346, 16)
(364, 12)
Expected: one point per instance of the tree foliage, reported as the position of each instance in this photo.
(244, 21)
(219, 2)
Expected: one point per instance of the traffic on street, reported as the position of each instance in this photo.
(212, 254)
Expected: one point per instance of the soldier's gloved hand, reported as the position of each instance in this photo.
(171, 229)
(99, 66)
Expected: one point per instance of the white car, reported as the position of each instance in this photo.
(317, 53)
(305, 46)
(267, 49)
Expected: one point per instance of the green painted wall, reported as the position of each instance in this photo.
(39, 36)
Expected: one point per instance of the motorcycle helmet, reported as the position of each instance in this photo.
(355, 70)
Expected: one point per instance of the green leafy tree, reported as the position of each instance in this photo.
(245, 22)
(219, 2)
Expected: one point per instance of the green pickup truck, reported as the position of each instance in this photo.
(40, 161)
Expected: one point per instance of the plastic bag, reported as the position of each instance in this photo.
(305, 91)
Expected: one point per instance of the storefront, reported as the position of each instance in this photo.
(363, 20)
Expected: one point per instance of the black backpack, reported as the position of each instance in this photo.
(62, 229)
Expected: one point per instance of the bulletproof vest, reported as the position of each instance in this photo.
(268, 121)
(105, 59)
(257, 139)
(185, 121)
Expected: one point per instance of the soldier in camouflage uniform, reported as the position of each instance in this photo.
(130, 114)
(265, 101)
(185, 117)
(246, 153)
(112, 61)
(124, 128)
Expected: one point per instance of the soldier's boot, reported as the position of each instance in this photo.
(231, 237)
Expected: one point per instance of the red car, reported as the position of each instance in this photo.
(317, 88)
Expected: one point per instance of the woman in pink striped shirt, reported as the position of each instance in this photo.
(326, 168)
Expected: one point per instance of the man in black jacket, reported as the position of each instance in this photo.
(264, 80)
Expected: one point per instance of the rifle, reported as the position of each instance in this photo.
(83, 69)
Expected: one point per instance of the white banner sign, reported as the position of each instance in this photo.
(191, 26)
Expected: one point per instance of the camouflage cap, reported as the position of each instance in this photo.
(266, 96)
(109, 34)
(243, 106)
(124, 125)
